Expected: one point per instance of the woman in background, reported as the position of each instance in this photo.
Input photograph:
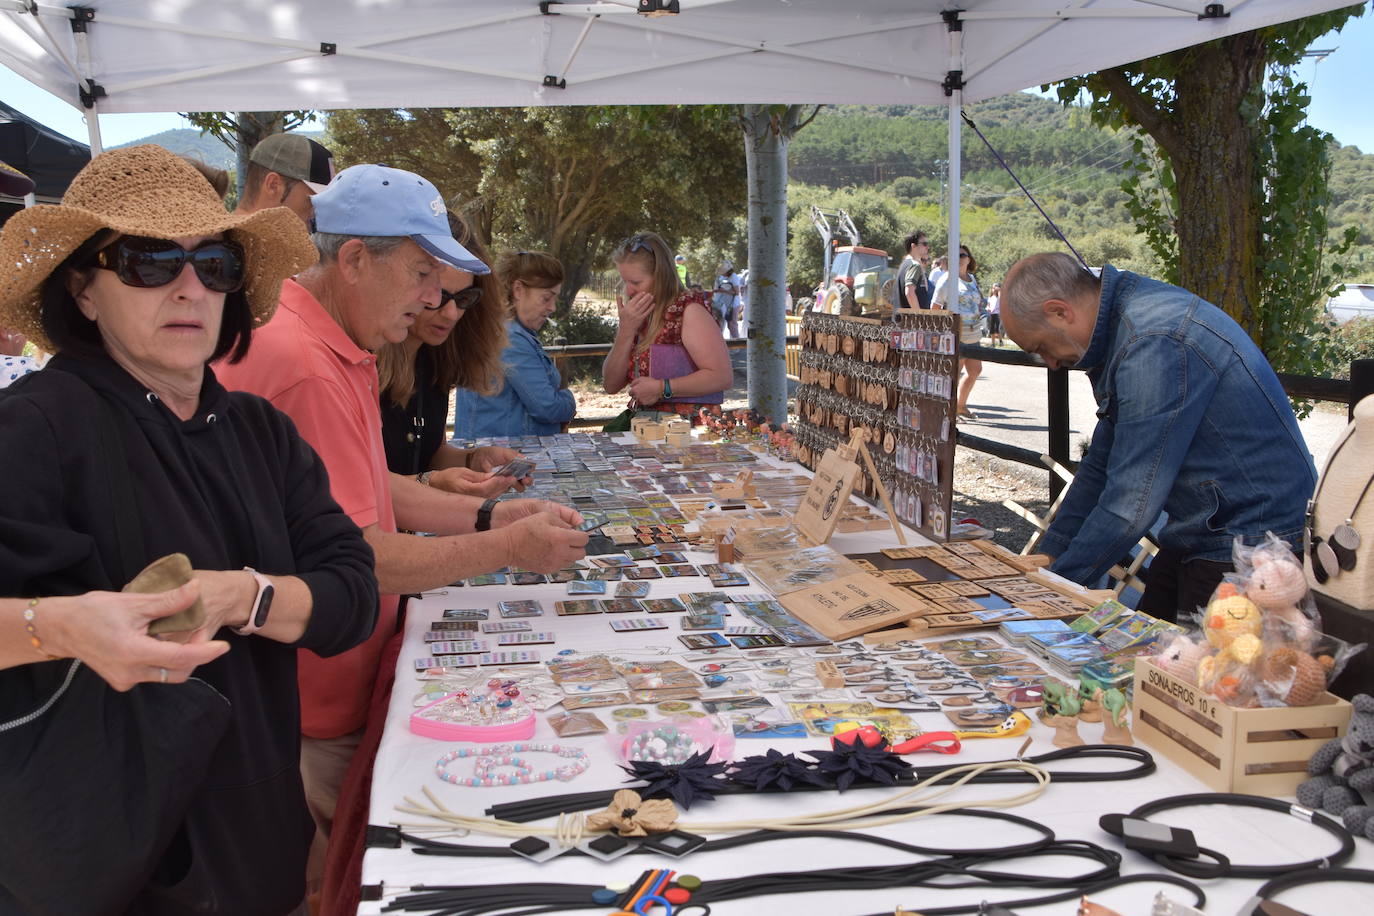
(532, 399)
(968, 305)
(418, 375)
(668, 350)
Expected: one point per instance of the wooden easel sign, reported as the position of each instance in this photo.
(824, 501)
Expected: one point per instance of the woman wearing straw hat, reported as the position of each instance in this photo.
(138, 775)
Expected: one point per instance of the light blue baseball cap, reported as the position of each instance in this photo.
(386, 202)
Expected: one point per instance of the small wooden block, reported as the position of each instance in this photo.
(830, 675)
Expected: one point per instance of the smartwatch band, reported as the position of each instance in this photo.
(262, 603)
(484, 515)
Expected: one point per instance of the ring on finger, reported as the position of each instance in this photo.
(162, 673)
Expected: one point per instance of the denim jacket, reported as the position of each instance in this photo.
(1192, 421)
(529, 403)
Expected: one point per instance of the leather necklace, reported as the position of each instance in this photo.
(1336, 552)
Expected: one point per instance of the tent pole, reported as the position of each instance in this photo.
(93, 131)
(954, 86)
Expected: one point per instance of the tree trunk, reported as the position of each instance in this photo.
(1219, 242)
(766, 137)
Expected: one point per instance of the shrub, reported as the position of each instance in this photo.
(1346, 342)
(581, 325)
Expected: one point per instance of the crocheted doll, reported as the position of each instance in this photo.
(1342, 772)
(1233, 624)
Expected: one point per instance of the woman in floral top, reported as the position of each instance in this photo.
(668, 350)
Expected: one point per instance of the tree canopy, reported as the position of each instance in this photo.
(568, 180)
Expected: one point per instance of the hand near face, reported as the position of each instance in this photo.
(633, 313)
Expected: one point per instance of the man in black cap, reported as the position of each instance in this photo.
(286, 170)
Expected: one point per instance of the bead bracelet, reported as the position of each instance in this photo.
(504, 755)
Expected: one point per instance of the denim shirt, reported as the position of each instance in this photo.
(529, 403)
(1192, 421)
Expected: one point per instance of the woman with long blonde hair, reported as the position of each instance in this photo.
(418, 375)
(668, 351)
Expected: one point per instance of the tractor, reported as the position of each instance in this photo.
(856, 280)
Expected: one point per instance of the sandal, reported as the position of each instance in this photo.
(967, 414)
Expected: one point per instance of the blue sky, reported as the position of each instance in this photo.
(1339, 85)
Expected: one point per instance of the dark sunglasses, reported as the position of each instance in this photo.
(463, 300)
(639, 243)
(147, 263)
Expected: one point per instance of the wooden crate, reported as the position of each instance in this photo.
(1261, 751)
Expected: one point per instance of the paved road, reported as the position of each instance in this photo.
(1012, 407)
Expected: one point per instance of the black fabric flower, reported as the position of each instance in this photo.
(684, 783)
(775, 769)
(848, 763)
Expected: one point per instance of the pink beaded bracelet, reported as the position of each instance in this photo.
(488, 759)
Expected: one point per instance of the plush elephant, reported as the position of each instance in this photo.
(1342, 772)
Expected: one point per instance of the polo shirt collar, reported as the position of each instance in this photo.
(302, 303)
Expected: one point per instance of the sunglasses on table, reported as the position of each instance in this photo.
(147, 263)
(463, 300)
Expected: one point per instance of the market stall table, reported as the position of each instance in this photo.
(406, 762)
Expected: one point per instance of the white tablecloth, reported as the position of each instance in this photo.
(405, 763)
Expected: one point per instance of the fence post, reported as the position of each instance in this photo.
(1361, 383)
(560, 362)
(1057, 385)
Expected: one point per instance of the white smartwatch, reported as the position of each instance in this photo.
(262, 604)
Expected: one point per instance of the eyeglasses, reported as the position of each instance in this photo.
(638, 243)
(147, 263)
(965, 254)
(462, 300)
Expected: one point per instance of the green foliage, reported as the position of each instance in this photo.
(580, 324)
(1267, 259)
(1340, 344)
(572, 181)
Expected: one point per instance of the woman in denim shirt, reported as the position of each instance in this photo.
(533, 400)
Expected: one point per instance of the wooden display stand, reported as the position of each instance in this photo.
(898, 382)
(647, 430)
(1261, 751)
(823, 505)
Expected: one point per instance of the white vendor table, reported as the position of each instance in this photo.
(405, 764)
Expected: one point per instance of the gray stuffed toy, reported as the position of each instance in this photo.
(1342, 773)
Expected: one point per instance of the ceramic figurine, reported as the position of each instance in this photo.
(1116, 715)
(1060, 711)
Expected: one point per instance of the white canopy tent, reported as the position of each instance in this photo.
(181, 55)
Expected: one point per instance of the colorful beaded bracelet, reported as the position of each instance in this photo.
(504, 755)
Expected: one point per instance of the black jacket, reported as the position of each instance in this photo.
(233, 486)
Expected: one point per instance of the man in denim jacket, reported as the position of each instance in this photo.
(1191, 420)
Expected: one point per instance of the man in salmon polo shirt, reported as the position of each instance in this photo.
(383, 239)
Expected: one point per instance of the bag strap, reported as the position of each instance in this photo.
(128, 535)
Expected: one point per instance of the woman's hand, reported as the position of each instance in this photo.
(108, 631)
(228, 596)
(474, 483)
(490, 457)
(646, 391)
(632, 314)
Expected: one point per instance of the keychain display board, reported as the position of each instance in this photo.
(898, 381)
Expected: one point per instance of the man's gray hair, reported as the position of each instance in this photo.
(1034, 280)
(329, 243)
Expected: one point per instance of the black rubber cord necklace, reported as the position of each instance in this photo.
(1222, 867)
(1143, 764)
(1298, 879)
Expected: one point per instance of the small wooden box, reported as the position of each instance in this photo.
(1262, 751)
(646, 429)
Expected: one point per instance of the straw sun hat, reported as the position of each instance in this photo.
(142, 190)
